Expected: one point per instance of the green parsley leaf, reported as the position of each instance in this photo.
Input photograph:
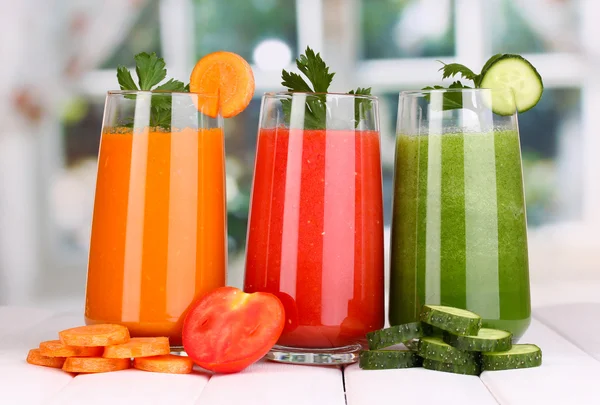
(295, 82)
(313, 67)
(317, 72)
(453, 69)
(164, 101)
(150, 70)
(125, 80)
(361, 105)
(172, 85)
(452, 99)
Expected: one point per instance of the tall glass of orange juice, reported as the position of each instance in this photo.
(159, 227)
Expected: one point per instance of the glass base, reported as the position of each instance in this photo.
(311, 356)
(178, 351)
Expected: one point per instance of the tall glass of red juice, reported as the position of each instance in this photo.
(315, 234)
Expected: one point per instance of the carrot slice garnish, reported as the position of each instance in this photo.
(35, 357)
(167, 363)
(95, 364)
(138, 347)
(55, 348)
(95, 335)
(228, 78)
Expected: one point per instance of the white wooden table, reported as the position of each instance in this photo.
(566, 327)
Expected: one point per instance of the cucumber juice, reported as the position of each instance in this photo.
(459, 231)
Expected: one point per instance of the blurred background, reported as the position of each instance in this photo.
(59, 58)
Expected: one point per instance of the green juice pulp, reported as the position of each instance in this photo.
(459, 233)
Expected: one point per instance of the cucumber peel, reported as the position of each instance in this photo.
(519, 356)
(394, 335)
(468, 369)
(429, 330)
(450, 319)
(388, 359)
(486, 340)
(436, 349)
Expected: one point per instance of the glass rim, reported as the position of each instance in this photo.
(463, 90)
(281, 94)
(158, 92)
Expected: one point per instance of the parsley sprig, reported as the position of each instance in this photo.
(453, 100)
(317, 72)
(151, 70)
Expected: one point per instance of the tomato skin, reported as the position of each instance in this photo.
(227, 330)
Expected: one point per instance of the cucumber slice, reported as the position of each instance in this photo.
(519, 356)
(454, 320)
(433, 348)
(487, 340)
(388, 359)
(429, 330)
(516, 73)
(469, 369)
(394, 335)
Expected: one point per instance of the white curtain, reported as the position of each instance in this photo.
(45, 47)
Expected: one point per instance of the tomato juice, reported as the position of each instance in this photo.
(315, 235)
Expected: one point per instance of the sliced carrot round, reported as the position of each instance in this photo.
(139, 347)
(226, 76)
(168, 363)
(35, 357)
(95, 364)
(55, 348)
(95, 335)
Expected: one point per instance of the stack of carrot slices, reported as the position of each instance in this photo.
(107, 347)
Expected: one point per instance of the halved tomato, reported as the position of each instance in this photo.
(227, 329)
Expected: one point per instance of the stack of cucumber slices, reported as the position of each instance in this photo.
(450, 340)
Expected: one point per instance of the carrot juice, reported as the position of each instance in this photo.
(159, 227)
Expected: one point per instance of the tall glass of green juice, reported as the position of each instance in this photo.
(459, 230)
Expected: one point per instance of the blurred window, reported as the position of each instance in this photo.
(250, 28)
(407, 28)
(395, 43)
(533, 26)
(144, 36)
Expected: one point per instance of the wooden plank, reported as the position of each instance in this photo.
(413, 385)
(268, 383)
(568, 375)
(556, 350)
(131, 387)
(576, 322)
(545, 385)
(22, 383)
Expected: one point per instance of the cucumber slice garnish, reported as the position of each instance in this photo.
(433, 348)
(519, 356)
(388, 359)
(516, 73)
(394, 335)
(487, 340)
(454, 320)
(469, 369)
